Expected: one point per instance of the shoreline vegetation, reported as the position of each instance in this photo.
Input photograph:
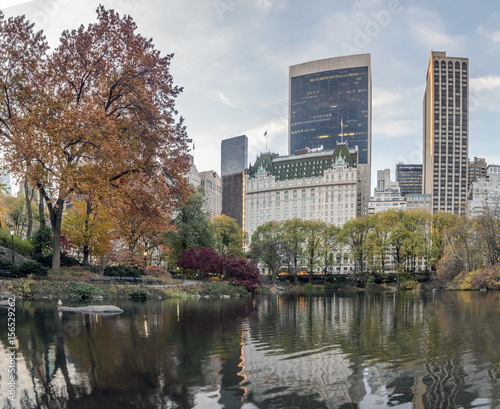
(68, 286)
(71, 286)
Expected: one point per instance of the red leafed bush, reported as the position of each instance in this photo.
(202, 259)
(240, 272)
(233, 269)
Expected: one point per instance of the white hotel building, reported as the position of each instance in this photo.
(310, 185)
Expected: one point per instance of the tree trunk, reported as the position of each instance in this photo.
(29, 210)
(86, 255)
(56, 221)
(55, 213)
(86, 248)
(40, 209)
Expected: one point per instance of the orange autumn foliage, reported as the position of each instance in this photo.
(97, 119)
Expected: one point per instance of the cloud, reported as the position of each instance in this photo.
(225, 100)
(393, 112)
(429, 29)
(11, 3)
(276, 139)
(484, 93)
(494, 36)
(267, 5)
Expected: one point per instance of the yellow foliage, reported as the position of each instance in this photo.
(466, 280)
(92, 230)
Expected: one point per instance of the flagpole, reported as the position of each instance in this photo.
(341, 130)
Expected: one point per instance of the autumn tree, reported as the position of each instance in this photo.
(88, 228)
(488, 228)
(21, 65)
(103, 118)
(13, 211)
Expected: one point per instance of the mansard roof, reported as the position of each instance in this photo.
(307, 164)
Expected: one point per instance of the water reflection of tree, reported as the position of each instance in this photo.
(150, 357)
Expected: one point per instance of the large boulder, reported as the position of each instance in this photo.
(6, 254)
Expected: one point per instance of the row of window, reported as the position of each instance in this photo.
(303, 208)
(340, 220)
(450, 65)
(303, 193)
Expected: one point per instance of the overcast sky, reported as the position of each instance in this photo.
(232, 58)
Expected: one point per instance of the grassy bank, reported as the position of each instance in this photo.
(30, 288)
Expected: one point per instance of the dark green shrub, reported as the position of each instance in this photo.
(139, 294)
(66, 260)
(44, 260)
(122, 271)
(41, 241)
(6, 265)
(83, 291)
(31, 267)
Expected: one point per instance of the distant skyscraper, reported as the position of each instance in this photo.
(193, 176)
(211, 182)
(446, 132)
(331, 100)
(409, 177)
(387, 194)
(234, 155)
(477, 169)
(234, 160)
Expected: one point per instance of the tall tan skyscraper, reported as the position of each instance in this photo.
(446, 132)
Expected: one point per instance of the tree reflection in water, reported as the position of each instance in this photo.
(360, 351)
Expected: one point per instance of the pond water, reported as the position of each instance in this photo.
(398, 350)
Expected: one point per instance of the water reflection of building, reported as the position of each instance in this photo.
(361, 351)
(321, 374)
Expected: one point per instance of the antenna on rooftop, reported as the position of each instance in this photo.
(265, 135)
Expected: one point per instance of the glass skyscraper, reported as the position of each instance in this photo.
(409, 177)
(234, 160)
(234, 155)
(330, 101)
(328, 98)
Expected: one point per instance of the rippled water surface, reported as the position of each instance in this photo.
(333, 351)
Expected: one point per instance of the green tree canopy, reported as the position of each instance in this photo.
(191, 226)
(228, 235)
